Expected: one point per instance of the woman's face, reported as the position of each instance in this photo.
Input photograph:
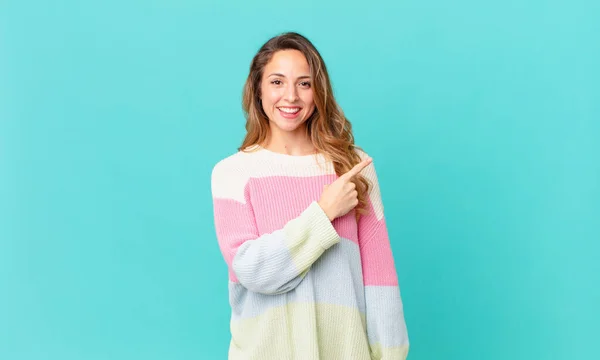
(286, 88)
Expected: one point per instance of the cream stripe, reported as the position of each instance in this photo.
(271, 336)
(397, 352)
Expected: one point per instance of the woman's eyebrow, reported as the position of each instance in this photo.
(299, 77)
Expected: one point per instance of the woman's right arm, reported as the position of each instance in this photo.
(271, 263)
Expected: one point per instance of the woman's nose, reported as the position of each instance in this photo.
(291, 94)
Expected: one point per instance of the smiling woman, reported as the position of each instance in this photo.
(286, 93)
(300, 223)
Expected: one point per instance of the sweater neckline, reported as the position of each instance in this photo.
(310, 159)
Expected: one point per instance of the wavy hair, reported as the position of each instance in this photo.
(328, 128)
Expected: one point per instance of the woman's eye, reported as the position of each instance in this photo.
(276, 82)
(305, 84)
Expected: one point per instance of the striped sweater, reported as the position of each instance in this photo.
(302, 287)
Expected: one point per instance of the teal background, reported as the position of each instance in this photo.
(483, 119)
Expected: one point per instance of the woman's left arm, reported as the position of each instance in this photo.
(386, 327)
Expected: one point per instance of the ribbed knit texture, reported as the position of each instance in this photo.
(300, 286)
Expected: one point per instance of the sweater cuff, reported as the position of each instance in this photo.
(321, 224)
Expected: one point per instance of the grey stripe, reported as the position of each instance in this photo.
(326, 282)
(274, 272)
(385, 316)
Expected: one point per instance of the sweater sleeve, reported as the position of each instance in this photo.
(272, 263)
(386, 327)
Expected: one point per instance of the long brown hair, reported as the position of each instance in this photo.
(328, 128)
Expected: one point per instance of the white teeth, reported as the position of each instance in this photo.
(289, 111)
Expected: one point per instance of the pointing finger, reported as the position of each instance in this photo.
(357, 168)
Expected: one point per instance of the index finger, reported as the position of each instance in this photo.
(357, 168)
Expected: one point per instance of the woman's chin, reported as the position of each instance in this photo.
(287, 125)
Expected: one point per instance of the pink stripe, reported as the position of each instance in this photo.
(376, 252)
(234, 224)
(292, 196)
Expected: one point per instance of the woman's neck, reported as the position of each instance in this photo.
(290, 145)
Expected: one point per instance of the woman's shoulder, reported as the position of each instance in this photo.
(361, 152)
(234, 163)
(230, 175)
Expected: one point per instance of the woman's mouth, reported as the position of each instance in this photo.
(289, 112)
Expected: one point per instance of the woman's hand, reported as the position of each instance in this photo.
(339, 197)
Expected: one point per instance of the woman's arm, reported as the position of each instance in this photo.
(386, 327)
(270, 263)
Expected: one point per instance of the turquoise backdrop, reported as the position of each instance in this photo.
(483, 118)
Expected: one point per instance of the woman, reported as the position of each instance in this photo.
(300, 223)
